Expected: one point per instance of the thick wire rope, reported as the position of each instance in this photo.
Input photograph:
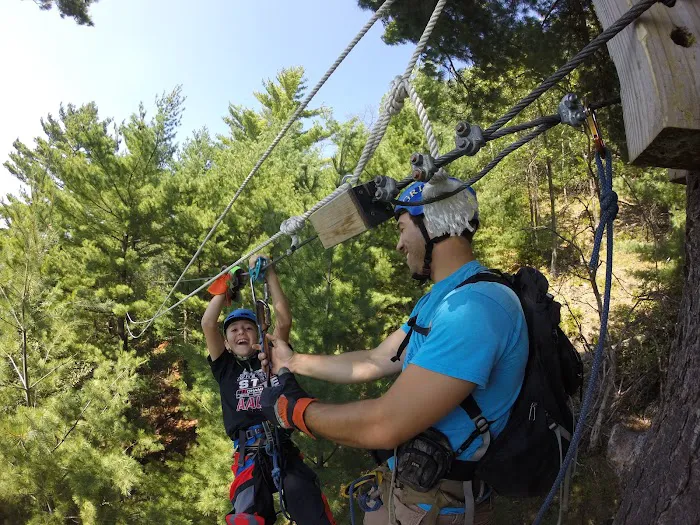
(302, 106)
(544, 120)
(593, 46)
(498, 158)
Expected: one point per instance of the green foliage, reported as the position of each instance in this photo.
(76, 9)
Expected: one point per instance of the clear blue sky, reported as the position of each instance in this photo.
(219, 50)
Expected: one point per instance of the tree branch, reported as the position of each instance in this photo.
(325, 461)
(75, 424)
(11, 324)
(455, 73)
(12, 310)
(47, 374)
(546, 17)
(19, 374)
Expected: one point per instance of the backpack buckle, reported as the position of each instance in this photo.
(482, 424)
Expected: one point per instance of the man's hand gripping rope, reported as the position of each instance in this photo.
(284, 404)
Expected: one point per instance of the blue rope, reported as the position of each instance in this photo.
(608, 212)
(363, 499)
(272, 448)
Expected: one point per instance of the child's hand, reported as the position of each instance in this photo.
(254, 258)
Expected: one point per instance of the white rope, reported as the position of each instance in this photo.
(295, 220)
(292, 227)
(378, 14)
(395, 97)
(424, 120)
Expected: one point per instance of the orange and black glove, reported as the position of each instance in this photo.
(229, 283)
(285, 404)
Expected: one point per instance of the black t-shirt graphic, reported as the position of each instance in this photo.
(240, 386)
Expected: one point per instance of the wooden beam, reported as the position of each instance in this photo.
(658, 62)
(349, 214)
(339, 220)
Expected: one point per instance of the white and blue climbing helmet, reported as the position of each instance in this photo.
(452, 216)
(238, 315)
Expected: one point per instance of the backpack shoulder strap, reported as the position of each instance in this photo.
(413, 327)
(469, 405)
(489, 276)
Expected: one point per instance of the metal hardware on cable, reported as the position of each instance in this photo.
(571, 110)
(469, 138)
(385, 188)
(423, 167)
(257, 272)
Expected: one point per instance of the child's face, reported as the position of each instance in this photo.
(240, 337)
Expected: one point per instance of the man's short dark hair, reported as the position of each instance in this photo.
(469, 235)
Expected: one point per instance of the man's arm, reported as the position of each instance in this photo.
(418, 399)
(349, 367)
(210, 326)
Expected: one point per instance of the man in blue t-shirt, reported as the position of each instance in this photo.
(468, 340)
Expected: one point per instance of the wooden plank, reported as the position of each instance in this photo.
(339, 220)
(658, 63)
(678, 176)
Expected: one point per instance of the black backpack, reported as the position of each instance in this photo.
(526, 456)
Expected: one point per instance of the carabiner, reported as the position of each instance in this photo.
(594, 130)
(257, 272)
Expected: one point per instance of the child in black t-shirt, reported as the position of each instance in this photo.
(241, 379)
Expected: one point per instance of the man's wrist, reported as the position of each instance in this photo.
(298, 416)
(292, 363)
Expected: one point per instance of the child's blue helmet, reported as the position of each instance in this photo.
(238, 315)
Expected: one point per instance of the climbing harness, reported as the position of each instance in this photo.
(274, 450)
(246, 442)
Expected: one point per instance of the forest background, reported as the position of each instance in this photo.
(97, 427)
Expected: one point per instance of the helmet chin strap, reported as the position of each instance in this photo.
(245, 360)
(242, 359)
(424, 274)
